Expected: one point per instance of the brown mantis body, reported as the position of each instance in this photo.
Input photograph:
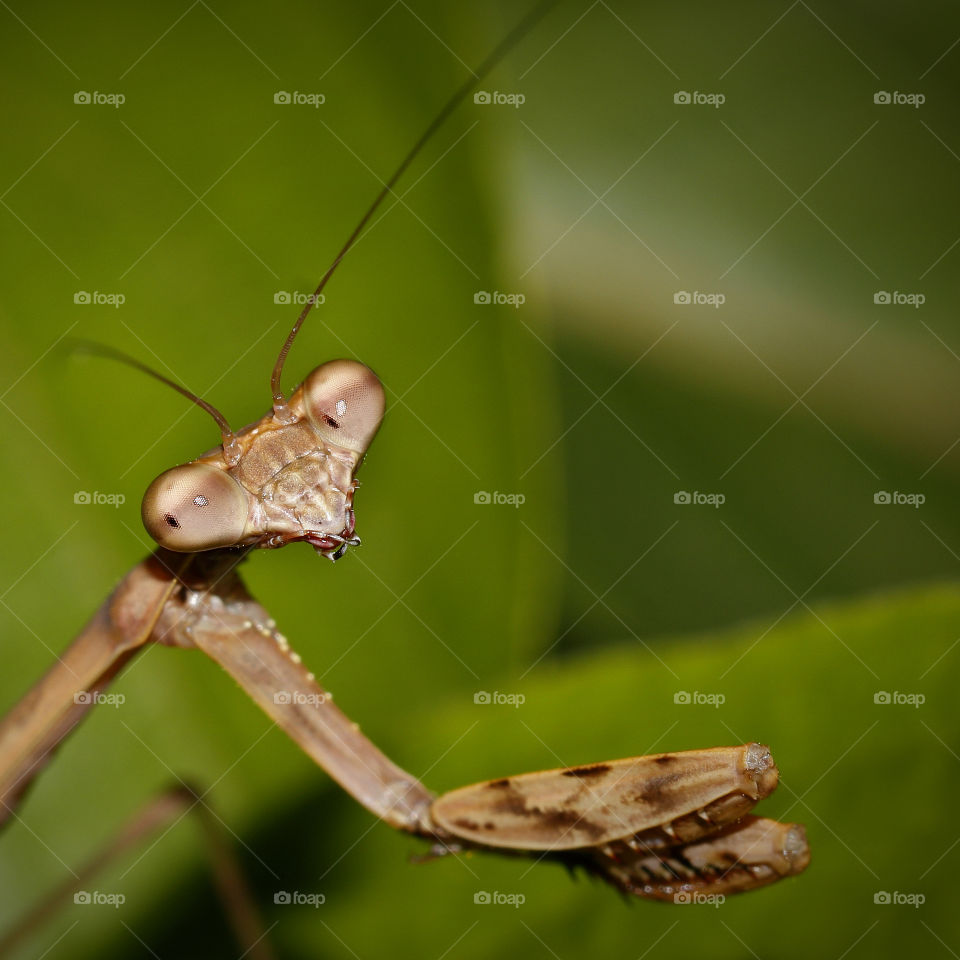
(660, 827)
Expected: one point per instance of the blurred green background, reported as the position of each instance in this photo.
(600, 399)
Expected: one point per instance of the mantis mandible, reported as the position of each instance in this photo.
(659, 827)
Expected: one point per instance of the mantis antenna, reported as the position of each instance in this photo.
(281, 410)
(231, 448)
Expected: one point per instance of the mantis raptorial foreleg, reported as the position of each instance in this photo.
(656, 826)
(627, 820)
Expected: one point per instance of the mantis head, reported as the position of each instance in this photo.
(280, 479)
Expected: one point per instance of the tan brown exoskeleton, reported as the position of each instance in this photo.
(664, 827)
(285, 478)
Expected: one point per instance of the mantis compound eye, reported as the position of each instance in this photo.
(195, 507)
(344, 401)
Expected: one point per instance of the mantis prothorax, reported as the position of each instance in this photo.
(660, 826)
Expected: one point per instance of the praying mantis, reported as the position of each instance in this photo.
(660, 827)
